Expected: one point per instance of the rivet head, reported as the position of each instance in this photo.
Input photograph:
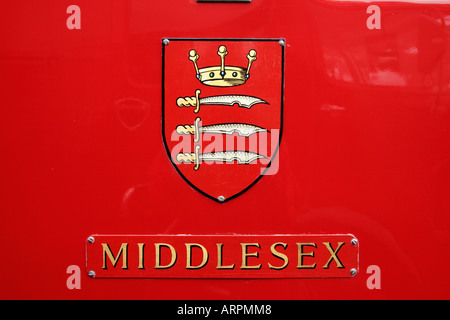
(353, 272)
(221, 198)
(281, 42)
(91, 274)
(166, 41)
(354, 242)
(90, 239)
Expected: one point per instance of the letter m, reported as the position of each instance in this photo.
(107, 252)
(259, 311)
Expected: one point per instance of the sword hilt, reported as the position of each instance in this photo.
(190, 157)
(190, 129)
(190, 101)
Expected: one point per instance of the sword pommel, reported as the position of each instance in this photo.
(190, 157)
(186, 129)
(190, 101)
(186, 157)
(190, 129)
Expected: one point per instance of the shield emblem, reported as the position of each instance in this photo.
(222, 111)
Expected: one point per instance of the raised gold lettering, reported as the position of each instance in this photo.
(158, 256)
(219, 258)
(245, 255)
(302, 254)
(141, 255)
(189, 256)
(107, 252)
(279, 255)
(333, 254)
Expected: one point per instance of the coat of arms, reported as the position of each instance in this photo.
(222, 111)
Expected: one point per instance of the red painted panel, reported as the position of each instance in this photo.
(364, 149)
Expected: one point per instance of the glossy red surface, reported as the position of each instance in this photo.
(365, 146)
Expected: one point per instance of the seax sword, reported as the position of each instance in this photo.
(243, 129)
(225, 100)
(242, 157)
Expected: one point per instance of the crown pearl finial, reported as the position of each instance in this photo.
(222, 75)
(251, 57)
(193, 56)
(222, 53)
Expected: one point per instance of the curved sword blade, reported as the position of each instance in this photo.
(230, 100)
(243, 129)
(242, 157)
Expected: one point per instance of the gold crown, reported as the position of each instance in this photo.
(222, 76)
